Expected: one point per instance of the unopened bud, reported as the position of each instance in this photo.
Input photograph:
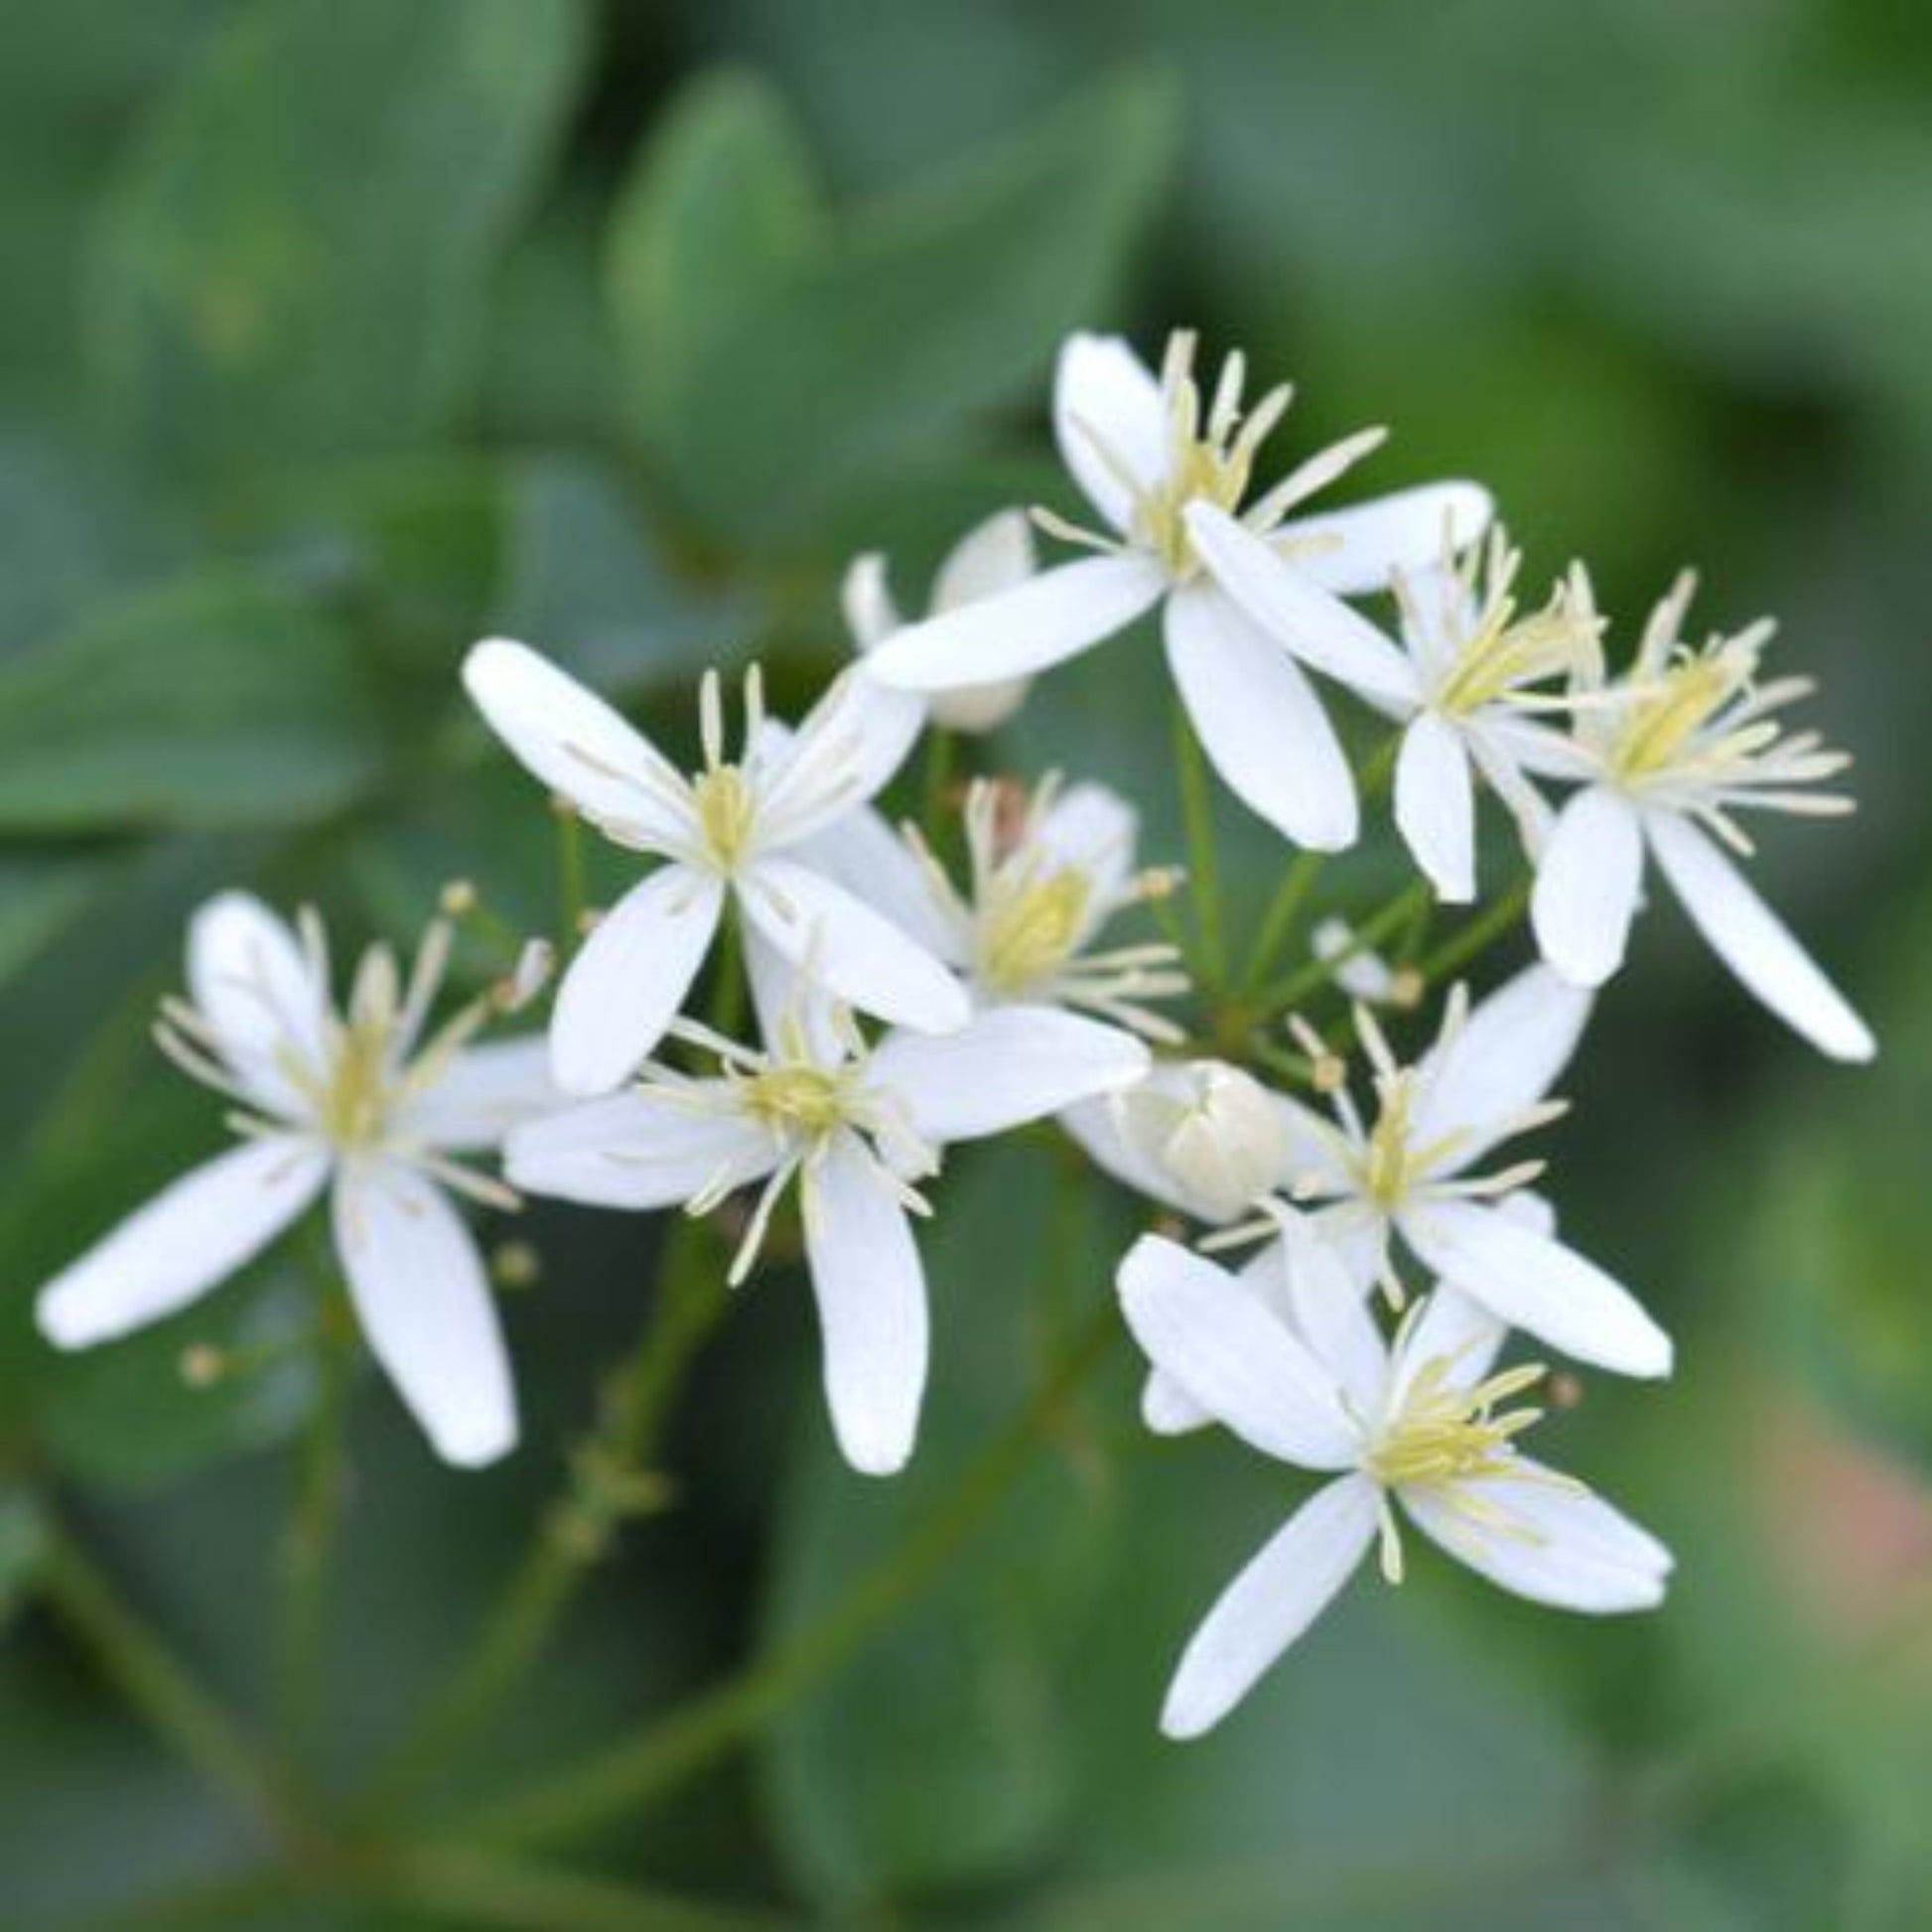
(1220, 1136)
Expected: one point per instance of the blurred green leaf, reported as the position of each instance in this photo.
(20, 1548)
(943, 1755)
(40, 893)
(294, 262)
(919, 313)
(210, 701)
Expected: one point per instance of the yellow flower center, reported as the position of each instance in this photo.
(354, 1103)
(725, 814)
(1031, 927)
(1669, 710)
(1501, 655)
(797, 1097)
(1446, 1434)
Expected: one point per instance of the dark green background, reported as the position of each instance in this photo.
(338, 332)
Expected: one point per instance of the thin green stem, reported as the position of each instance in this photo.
(1286, 994)
(1297, 882)
(608, 1480)
(321, 1485)
(1489, 925)
(159, 1687)
(625, 1777)
(1204, 873)
(942, 752)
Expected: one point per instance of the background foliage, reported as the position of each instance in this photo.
(340, 331)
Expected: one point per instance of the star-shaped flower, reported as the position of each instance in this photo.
(1246, 591)
(1419, 1430)
(732, 829)
(1667, 756)
(364, 1103)
(858, 1128)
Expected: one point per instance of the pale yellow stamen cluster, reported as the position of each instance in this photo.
(722, 795)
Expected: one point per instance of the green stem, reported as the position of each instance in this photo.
(571, 893)
(1297, 882)
(321, 1489)
(1484, 931)
(1286, 994)
(941, 750)
(175, 1707)
(1204, 877)
(608, 1481)
(621, 1779)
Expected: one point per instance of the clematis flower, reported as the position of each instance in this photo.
(733, 829)
(363, 1104)
(858, 1129)
(991, 556)
(1479, 674)
(1421, 1430)
(1245, 592)
(1049, 871)
(1667, 757)
(1411, 1172)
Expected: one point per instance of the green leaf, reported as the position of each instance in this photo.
(924, 311)
(944, 1755)
(722, 206)
(20, 1532)
(294, 262)
(212, 701)
(41, 894)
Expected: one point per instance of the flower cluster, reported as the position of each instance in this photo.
(943, 982)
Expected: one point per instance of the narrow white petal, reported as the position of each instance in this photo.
(482, 1093)
(629, 979)
(1282, 1591)
(1755, 942)
(1168, 1409)
(991, 556)
(1013, 633)
(1505, 1057)
(1450, 1326)
(872, 1305)
(193, 1234)
(1005, 1067)
(566, 735)
(1354, 551)
(638, 1150)
(1562, 1545)
(1094, 830)
(1104, 394)
(259, 990)
(1538, 1284)
(866, 598)
(1436, 807)
(856, 952)
(1587, 884)
(426, 1309)
(845, 748)
(862, 853)
(1331, 1314)
(1294, 610)
(1232, 1355)
(1259, 720)
(785, 996)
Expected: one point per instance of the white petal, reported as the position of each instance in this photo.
(873, 863)
(426, 1307)
(872, 1305)
(1165, 1406)
(1436, 807)
(866, 596)
(1104, 394)
(568, 737)
(1507, 1056)
(1295, 611)
(1573, 1551)
(1356, 549)
(260, 991)
(1048, 619)
(1755, 942)
(1096, 1126)
(991, 556)
(638, 1150)
(482, 1093)
(1092, 830)
(193, 1234)
(1008, 1065)
(845, 748)
(630, 977)
(1331, 1314)
(856, 952)
(1539, 1285)
(1234, 1357)
(1587, 886)
(1259, 720)
(1448, 1327)
(1280, 1591)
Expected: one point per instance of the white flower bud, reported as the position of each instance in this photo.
(1220, 1137)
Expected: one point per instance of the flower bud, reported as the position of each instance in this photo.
(1220, 1137)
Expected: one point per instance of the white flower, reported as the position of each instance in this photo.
(1410, 1172)
(732, 828)
(1477, 670)
(1667, 756)
(360, 1103)
(991, 556)
(1049, 871)
(1421, 1427)
(857, 1128)
(1246, 591)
